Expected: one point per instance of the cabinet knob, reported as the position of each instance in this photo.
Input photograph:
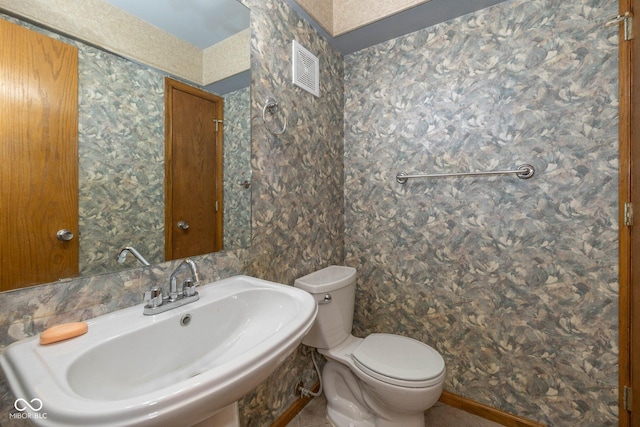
(183, 225)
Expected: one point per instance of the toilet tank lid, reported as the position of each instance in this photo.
(326, 280)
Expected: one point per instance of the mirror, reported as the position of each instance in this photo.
(121, 138)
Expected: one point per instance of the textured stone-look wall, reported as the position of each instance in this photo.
(513, 281)
(297, 206)
(297, 176)
(237, 169)
(120, 159)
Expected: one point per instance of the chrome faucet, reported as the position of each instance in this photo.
(157, 303)
(195, 278)
(123, 255)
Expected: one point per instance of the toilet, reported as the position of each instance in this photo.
(382, 380)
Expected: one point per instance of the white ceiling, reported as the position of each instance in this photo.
(200, 22)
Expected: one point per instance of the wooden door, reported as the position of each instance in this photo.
(39, 155)
(629, 185)
(631, 86)
(193, 165)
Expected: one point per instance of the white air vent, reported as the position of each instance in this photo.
(305, 69)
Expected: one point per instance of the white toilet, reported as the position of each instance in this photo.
(382, 380)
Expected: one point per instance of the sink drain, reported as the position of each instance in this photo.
(185, 320)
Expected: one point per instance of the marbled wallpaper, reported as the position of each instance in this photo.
(237, 169)
(297, 212)
(120, 159)
(297, 190)
(513, 281)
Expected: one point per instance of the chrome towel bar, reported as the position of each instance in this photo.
(524, 171)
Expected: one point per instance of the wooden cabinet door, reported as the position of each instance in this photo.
(39, 155)
(193, 165)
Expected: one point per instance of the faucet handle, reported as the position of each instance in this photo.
(188, 288)
(153, 297)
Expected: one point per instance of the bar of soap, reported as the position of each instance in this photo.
(63, 332)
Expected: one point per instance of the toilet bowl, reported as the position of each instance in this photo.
(382, 380)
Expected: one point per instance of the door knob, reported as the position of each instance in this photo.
(64, 235)
(183, 225)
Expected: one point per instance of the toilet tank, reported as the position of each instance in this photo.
(335, 312)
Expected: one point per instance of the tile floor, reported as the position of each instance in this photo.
(440, 415)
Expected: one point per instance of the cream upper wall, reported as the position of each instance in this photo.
(349, 15)
(338, 17)
(321, 11)
(214, 70)
(101, 24)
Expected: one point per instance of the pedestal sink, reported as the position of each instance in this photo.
(171, 369)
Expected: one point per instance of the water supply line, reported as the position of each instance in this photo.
(305, 392)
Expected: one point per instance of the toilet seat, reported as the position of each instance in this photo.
(399, 360)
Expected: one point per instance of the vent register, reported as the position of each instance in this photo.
(305, 69)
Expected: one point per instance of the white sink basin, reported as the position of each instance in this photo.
(136, 370)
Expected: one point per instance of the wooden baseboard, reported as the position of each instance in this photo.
(485, 411)
(293, 410)
(448, 398)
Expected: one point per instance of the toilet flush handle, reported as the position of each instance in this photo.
(325, 300)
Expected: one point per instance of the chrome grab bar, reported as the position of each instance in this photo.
(524, 171)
